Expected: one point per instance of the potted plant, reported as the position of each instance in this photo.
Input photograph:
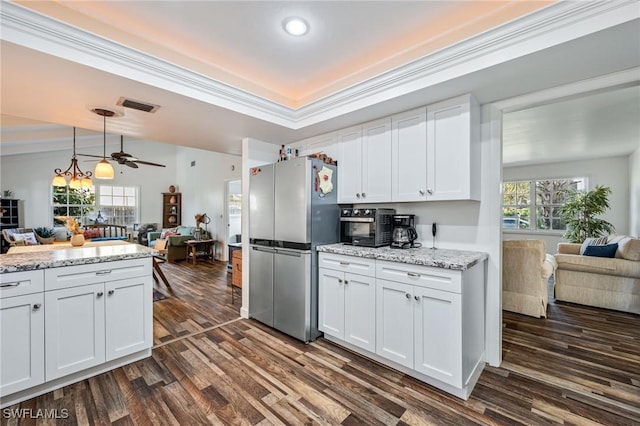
(44, 235)
(580, 213)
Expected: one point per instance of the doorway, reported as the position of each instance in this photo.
(233, 201)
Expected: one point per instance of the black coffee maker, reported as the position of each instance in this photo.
(404, 233)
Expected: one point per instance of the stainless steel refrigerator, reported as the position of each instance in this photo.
(291, 211)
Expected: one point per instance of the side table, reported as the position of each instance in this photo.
(195, 246)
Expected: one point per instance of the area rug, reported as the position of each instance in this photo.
(157, 295)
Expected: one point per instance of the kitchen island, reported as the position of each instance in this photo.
(419, 310)
(69, 313)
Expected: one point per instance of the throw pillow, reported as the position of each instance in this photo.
(28, 238)
(167, 232)
(607, 250)
(592, 242)
(629, 249)
(92, 233)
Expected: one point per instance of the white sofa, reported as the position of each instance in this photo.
(611, 283)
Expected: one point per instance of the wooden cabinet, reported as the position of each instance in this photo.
(171, 209)
(9, 219)
(236, 274)
(364, 155)
(21, 331)
(347, 300)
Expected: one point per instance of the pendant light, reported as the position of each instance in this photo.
(104, 169)
(78, 178)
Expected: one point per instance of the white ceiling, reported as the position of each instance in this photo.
(603, 124)
(236, 74)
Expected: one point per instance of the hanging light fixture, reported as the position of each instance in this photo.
(78, 178)
(104, 169)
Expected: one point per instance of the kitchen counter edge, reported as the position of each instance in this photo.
(71, 257)
(460, 260)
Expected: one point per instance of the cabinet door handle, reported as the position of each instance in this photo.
(417, 298)
(413, 274)
(430, 191)
(364, 195)
(110, 292)
(345, 263)
(346, 282)
(340, 280)
(100, 294)
(37, 306)
(16, 284)
(105, 272)
(421, 191)
(358, 195)
(407, 295)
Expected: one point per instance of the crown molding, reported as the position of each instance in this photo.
(555, 24)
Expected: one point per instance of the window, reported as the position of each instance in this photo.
(119, 205)
(77, 203)
(535, 205)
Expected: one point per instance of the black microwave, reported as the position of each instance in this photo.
(366, 227)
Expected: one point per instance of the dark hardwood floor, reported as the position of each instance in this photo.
(581, 366)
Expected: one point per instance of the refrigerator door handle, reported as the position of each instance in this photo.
(290, 253)
(265, 249)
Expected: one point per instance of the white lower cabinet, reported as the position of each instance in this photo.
(91, 324)
(22, 346)
(394, 322)
(420, 328)
(348, 307)
(74, 329)
(438, 335)
(347, 300)
(61, 324)
(427, 321)
(129, 317)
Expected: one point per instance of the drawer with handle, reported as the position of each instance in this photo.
(352, 264)
(21, 283)
(423, 276)
(73, 276)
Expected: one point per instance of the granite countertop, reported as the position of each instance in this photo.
(440, 258)
(55, 256)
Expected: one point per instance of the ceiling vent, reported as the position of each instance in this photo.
(139, 105)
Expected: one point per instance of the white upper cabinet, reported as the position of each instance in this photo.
(376, 170)
(350, 165)
(427, 154)
(409, 156)
(453, 150)
(364, 173)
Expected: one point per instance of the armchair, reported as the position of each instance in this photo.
(175, 237)
(526, 269)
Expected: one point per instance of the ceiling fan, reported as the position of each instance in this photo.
(124, 158)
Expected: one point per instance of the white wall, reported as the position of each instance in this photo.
(634, 193)
(29, 177)
(612, 172)
(201, 178)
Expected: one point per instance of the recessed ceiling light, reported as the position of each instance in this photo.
(295, 26)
